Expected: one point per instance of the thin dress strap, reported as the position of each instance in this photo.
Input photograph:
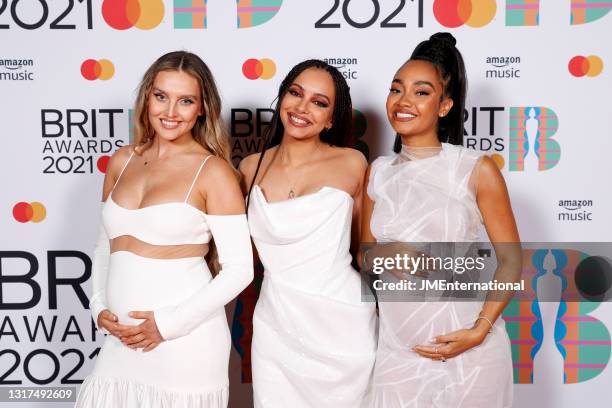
(196, 177)
(122, 170)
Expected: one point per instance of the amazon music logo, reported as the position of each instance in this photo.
(503, 67)
(16, 69)
(575, 210)
(347, 66)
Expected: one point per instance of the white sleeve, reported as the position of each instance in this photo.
(233, 241)
(99, 272)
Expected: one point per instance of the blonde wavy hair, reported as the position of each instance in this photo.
(209, 130)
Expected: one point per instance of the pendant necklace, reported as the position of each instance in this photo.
(291, 194)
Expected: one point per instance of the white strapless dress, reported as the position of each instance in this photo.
(314, 340)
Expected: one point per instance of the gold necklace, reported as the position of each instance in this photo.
(291, 194)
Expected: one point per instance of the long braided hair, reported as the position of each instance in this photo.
(337, 135)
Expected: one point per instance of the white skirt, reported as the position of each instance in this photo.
(190, 371)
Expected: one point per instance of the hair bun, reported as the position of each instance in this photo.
(446, 38)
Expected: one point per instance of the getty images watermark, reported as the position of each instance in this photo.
(477, 271)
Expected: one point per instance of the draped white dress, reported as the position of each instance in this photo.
(431, 198)
(314, 340)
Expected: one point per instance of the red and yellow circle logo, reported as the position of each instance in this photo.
(256, 69)
(455, 13)
(124, 14)
(102, 69)
(590, 66)
(24, 212)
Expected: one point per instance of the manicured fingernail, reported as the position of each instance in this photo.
(433, 340)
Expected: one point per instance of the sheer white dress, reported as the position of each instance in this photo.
(429, 196)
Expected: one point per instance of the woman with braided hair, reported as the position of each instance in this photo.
(442, 353)
(313, 339)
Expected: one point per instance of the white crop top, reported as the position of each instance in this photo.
(173, 223)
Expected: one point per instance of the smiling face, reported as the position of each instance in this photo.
(416, 101)
(308, 105)
(174, 104)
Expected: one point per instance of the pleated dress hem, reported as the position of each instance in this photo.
(120, 393)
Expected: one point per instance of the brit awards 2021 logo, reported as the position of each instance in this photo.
(581, 340)
(587, 11)
(127, 14)
(530, 144)
(249, 13)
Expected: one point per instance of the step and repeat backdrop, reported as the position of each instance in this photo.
(539, 104)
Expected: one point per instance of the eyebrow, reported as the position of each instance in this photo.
(424, 83)
(182, 96)
(316, 94)
(399, 81)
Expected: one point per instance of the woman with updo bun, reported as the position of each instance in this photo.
(442, 353)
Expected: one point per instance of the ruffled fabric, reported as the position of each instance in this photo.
(100, 392)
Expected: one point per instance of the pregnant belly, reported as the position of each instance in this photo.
(407, 324)
(137, 283)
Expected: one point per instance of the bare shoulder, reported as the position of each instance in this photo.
(248, 165)
(218, 171)
(118, 160)
(489, 177)
(353, 158)
(488, 169)
(218, 185)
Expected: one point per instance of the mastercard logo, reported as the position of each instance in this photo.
(124, 14)
(102, 163)
(24, 212)
(590, 66)
(256, 69)
(455, 13)
(102, 69)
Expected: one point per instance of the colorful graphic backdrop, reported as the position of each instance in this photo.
(539, 80)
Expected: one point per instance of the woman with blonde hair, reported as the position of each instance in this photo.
(167, 198)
